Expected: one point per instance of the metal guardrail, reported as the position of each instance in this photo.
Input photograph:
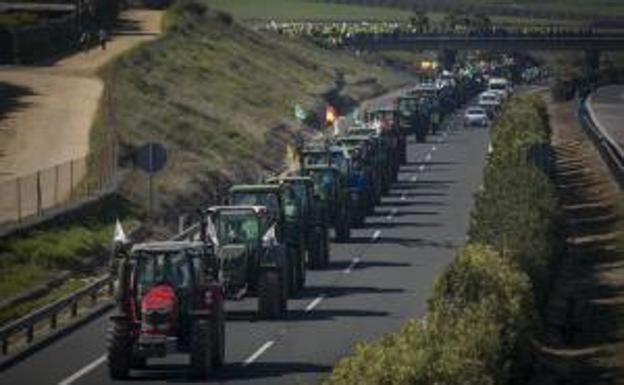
(611, 151)
(70, 302)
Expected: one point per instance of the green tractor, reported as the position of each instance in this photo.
(250, 259)
(364, 149)
(317, 230)
(168, 299)
(412, 117)
(331, 189)
(284, 209)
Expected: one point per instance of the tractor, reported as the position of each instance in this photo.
(250, 260)
(331, 189)
(317, 231)
(283, 209)
(168, 300)
(387, 118)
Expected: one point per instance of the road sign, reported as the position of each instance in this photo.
(151, 157)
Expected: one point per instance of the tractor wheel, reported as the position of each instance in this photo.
(343, 230)
(325, 243)
(316, 250)
(201, 349)
(301, 267)
(139, 362)
(272, 300)
(295, 259)
(119, 341)
(218, 327)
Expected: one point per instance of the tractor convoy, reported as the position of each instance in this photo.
(171, 295)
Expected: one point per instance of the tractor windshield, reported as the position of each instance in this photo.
(315, 158)
(237, 227)
(323, 183)
(158, 267)
(258, 198)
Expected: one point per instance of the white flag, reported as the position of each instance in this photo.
(269, 237)
(212, 232)
(120, 235)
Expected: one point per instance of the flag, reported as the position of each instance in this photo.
(300, 113)
(269, 237)
(212, 232)
(119, 235)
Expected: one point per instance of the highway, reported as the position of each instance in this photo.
(607, 105)
(374, 284)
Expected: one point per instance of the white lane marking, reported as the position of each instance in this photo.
(414, 178)
(354, 262)
(403, 197)
(428, 158)
(434, 148)
(421, 168)
(392, 214)
(376, 234)
(258, 353)
(99, 361)
(314, 303)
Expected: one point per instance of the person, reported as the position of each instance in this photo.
(84, 41)
(102, 38)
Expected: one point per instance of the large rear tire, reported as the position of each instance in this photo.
(315, 251)
(218, 356)
(272, 301)
(119, 341)
(202, 344)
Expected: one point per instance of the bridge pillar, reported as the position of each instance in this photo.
(592, 60)
(447, 58)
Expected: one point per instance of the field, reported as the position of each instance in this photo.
(305, 10)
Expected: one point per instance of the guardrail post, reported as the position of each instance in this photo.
(30, 333)
(53, 321)
(74, 308)
(93, 297)
(5, 345)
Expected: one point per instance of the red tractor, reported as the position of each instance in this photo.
(168, 300)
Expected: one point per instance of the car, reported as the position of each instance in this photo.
(490, 102)
(476, 116)
(501, 86)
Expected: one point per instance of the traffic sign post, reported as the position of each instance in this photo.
(151, 158)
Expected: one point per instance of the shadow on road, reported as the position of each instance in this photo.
(11, 98)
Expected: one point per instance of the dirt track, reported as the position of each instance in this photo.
(46, 111)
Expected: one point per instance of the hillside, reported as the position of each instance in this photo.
(220, 97)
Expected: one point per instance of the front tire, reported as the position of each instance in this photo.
(272, 301)
(201, 349)
(120, 342)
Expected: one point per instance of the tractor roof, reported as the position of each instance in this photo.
(292, 179)
(167, 246)
(246, 208)
(256, 188)
(321, 167)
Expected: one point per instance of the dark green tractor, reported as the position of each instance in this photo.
(331, 188)
(317, 229)
(283, 208)
(250, 259)
(412, 117)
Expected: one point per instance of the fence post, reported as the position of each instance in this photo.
(71, 179)
(56, 182)
(19, 199)
(39, 208)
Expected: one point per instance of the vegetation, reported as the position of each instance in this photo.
(221, 97)
(483, 312)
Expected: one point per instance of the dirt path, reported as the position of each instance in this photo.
(583, 341)
(46, 111)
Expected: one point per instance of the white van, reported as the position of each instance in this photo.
(501, 86)
(490, 101)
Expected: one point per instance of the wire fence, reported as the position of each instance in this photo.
(53, 188)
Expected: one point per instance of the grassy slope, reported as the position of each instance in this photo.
(220, 97)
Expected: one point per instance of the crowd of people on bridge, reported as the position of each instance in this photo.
(337, 33)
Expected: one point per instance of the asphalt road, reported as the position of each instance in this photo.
(607, 104)
(375, 283)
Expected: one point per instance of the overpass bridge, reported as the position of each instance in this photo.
(448, 44)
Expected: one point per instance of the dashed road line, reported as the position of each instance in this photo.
(377, 233)
(434, 148)
(267, 345)
(421, 168)
(354, 262)
(403, 197)
(428, 158)
(314, 303)
(414, 178)
(69, 380)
